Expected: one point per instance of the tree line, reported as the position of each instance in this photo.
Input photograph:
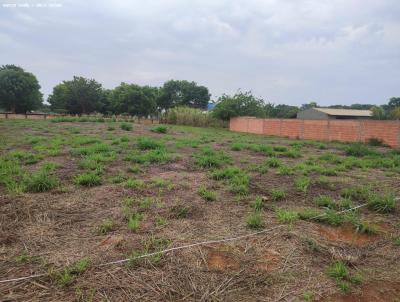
(20, 93)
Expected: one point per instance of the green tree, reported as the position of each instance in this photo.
(379, 113)
(134, 99)
(183, 93)
(78, 96)
(19, 90)
(241, 104)
(394, 102)
(308, 106)
(285, 111)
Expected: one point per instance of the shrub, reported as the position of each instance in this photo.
(206, 194)
(278, 194)
(382, 203)
(191, 117)
(302, 184)
(88, 179)
(254, 220)
(126, 126)
(41, 181)
(373, 141)
(159, 129)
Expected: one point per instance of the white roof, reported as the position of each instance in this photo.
(345, 112)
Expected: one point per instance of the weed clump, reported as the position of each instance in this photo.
(325, 202)
(106, 226)
(258, 204)
(41, 181)
(159, 129)
(286, 216)
(382, 203)
(88, 179)
(278, 195)
(302, 183)
(209, 158)
(339, 271)
(148, 143)
(254, 220)
(206, 194)
(126, 126)
(359, 150)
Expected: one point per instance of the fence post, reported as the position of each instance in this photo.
(7, 116)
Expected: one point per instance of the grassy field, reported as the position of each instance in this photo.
(76, 195)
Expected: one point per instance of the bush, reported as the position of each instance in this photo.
(191, 117)
(373, 141)
(126, 126)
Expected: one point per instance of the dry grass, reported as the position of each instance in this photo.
(48, 232)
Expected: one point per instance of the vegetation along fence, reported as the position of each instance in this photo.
(326, 130)
(76, 118)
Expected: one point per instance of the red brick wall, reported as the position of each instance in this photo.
(326, 130)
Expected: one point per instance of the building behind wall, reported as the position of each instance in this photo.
(333, 114)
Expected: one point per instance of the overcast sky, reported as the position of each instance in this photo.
(285, 51)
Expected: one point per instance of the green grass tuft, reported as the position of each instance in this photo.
(126, 126)
(302, 183)
(286, 216)
(254, 220)
(88, 179)
(207, 194)
(159, 129)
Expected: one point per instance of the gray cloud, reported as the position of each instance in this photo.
(286, 51)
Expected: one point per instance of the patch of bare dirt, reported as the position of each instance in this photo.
(270, 261)
(346, 234)
(372, 292)
(221, 259)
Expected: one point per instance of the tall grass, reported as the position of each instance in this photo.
(191, 117)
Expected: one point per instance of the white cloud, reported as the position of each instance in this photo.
(287, 51)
